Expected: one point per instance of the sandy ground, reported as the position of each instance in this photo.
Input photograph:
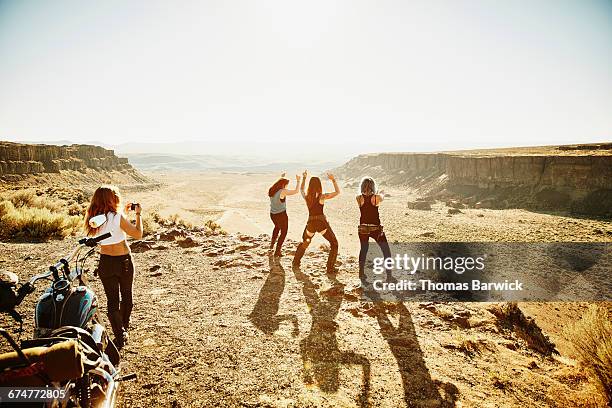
(219, 324)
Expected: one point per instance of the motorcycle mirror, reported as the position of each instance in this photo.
(97, 221)
(8, 279)
(8, 296)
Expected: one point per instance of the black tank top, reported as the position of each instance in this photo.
(316, 208)
(369, 212)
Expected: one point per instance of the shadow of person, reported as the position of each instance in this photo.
(320, 353)
(420, 390)
(264, 315)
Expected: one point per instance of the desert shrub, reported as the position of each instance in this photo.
(6, 207)
(76, 209)
(591, 339)
(176, 220)
(156, 216)
(29, 198)
(149, 223)
(38, 224)
(214, 228)
(173, 220)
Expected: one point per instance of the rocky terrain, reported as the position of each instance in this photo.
(576, 178)
(219, 323)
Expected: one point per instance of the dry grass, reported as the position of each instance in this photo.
(150, 223)
(29, 198)
(32, 215)
(173, 220)
(35, 224)
(153, 221)
(591, 339)
(214, 228)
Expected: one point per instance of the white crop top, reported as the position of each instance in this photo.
(112, 225)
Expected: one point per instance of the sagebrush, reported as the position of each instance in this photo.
(35, 224)
(591, 339)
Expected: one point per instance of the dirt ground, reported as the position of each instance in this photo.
(217, 323)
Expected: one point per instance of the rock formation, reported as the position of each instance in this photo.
(23, 159)
(565, 177)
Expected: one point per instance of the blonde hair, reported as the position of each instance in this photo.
(105, 199)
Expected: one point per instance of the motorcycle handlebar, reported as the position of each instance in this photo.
(92, 242)
(28, 287)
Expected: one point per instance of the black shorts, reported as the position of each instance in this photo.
(317, 223)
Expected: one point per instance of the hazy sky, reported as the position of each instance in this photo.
(381, 75)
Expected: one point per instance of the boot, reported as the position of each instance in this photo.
(299, 253)
(331, 260)
(116, 322)
(126, 311)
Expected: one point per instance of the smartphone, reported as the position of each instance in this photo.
(133, 206)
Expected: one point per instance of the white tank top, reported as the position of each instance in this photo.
(112, 225)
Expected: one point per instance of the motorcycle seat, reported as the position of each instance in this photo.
(60, 362)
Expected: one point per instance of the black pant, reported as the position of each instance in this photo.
(333, 248)
(281, 225)
(117, 276)
(380, 238)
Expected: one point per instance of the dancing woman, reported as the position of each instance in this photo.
(369, 223)
(317, 222)
(278, 211)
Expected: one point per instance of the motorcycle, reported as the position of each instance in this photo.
(71, 351)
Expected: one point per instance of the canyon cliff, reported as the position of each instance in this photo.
(18, 161)
(577, 178)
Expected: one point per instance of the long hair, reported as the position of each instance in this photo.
(105, 199)
(314, 191)
(367, 186)
(279, 185)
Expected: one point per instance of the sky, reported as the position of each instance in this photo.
(330, 75)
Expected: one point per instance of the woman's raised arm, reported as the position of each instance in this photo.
(286, 192)
(134, 231)
(336, 191)
(303, 184)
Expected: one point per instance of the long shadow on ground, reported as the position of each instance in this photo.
(265, 313)
(420, 390)
(320, 352)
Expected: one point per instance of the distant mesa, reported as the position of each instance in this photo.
(572, 177)
(17, 159)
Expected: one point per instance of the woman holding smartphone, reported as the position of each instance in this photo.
(116, 268)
